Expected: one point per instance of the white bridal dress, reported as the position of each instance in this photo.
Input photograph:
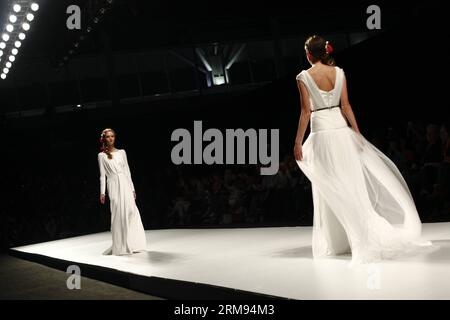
(128, 233)
(362, 204)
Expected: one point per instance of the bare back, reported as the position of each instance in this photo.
(324, 76)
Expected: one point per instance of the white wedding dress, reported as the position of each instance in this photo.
(128, 234)
(362, 204)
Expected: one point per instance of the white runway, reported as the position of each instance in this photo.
(272, 261)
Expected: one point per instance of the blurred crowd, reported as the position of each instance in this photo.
(59, 198)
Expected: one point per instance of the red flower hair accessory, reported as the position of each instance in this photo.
(328, 47)
(102, 142)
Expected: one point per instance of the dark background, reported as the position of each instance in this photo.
(139, 71)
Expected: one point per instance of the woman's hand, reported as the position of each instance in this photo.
(298, 152)
(102, 199)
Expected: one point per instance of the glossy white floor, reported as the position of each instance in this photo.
(274, 261)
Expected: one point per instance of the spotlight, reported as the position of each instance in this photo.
(14, 51)
(12, 18)
(3, 76)
(12, 58)
(30, 17)
(1, 53)
(22, 36)
(16, 8)
(26, 26)
(5, 70)
(10, 28)
(5, 37)
(34, 6)
(8, 64)
(2, 45)
(17, 44)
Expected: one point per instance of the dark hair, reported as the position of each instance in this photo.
(316, 46)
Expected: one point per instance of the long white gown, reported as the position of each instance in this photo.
(128, 234)
(362, 204)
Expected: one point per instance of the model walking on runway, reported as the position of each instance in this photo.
(128, 234)
(362, 204)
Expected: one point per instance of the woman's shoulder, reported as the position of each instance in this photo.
(300, 74)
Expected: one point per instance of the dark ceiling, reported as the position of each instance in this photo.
(141, 24)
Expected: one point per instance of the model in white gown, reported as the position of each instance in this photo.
(128, 234)
(362, 204)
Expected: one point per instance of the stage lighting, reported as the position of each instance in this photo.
(3, 76)
(14, 51)
(5, 70)
(10, 28)
(12, 18)
(8, 64)
(34, 6)
(26, 26)
(2, 45)
(1, 53)
(22, 36)
(30, 17)
(16, 8)
(5, 37)
(17, 44)
(12, 58)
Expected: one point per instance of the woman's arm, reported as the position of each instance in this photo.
(304, 119)
(102, 178)
(346, 107)
(128, 169)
